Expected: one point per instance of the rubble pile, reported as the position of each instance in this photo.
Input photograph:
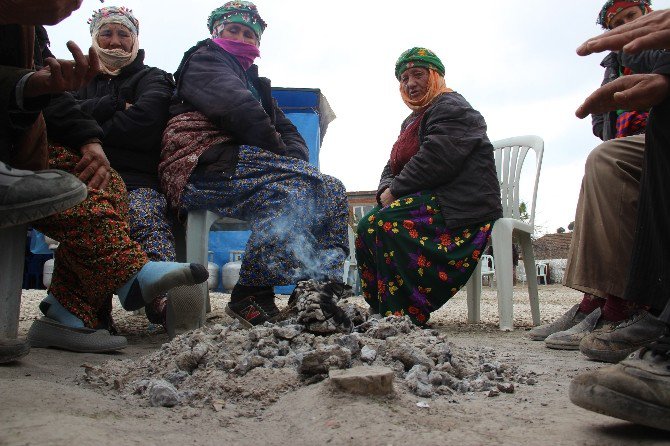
(222, 364)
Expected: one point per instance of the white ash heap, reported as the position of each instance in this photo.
(256, 366)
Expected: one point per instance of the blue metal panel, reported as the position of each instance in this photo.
(308, 126)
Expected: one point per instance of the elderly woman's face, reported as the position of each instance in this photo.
(114, 36)
(239, 32)
(627, 15)
(415, 82)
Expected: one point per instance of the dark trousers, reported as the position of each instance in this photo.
(649, 275)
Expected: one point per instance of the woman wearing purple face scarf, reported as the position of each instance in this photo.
(230, 149)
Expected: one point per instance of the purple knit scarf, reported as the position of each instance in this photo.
(245, 53)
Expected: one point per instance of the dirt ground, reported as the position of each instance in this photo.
(44, 399)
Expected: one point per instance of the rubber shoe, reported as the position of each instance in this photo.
(47, 333)
(637, 389)
(249, 312)
(12, 349)
(27, 196)
(571, 318)
(570, 338)
(616, 342)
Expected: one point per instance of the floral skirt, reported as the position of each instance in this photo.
(96, 254)
(409, 262)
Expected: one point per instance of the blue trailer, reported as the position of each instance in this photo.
(310, 112)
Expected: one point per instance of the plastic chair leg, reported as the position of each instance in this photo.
(502, 252)
(198, 224)
(531, 275)
(13, 242)
(474, 294)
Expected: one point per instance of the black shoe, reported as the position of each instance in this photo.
(249, 312)
(268, 305)
(26, 196)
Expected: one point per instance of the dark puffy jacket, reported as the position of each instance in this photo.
(132, 137)
(455, 161)
(653, 61)
(13, 121)
(212, 81)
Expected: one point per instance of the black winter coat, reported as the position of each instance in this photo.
(653, 61)
(132, 137)
(455, 161)
(13, 121)
(212, 81)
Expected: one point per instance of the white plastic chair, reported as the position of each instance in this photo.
(488, 268)
(198, 224)
(521, 273)
(541, 272)
(510, 154)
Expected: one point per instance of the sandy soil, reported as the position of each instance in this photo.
(44, 399)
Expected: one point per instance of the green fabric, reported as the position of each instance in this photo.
(418, 57)
(409, 263)
(242, 12)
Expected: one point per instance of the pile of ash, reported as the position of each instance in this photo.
(227, 364)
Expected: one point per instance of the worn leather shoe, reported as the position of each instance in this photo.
(571, 318)
(26, 196)
(47, 333)
(615, 342)
(637, 389)
(570, 338)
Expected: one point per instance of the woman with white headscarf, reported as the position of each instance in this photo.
(130, 100)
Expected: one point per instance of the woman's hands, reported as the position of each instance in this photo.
(93, 168)
(633, 92)
(36, 12)
(386, 198)
(60, 75)
(649, 32)
(638, 91)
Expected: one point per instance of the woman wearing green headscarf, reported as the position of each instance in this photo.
(438, 198)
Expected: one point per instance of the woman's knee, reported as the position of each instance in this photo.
(368, 222)
(335, 185)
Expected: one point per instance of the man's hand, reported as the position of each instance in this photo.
(386, 197)
(63, 75)
(633, 92)
(36, 12)
(649, 32)
(93, 168)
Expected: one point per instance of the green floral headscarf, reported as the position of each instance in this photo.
(237, 11)
(418, 57)
(613, 7)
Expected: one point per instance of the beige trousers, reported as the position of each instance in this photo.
(602, 239)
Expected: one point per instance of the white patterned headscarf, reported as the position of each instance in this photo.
(112, 61)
